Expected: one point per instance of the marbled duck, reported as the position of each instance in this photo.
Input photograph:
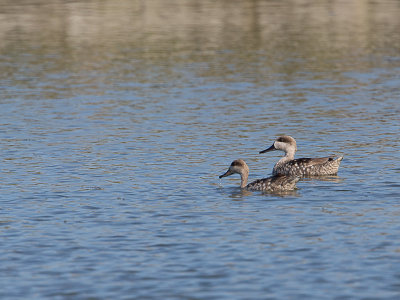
(276, 183)
(287, 165)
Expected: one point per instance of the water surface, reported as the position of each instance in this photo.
(118, 116)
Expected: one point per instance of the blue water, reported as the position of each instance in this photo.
(114, 130)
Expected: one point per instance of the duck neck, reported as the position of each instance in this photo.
(289, 155)
(244, 176)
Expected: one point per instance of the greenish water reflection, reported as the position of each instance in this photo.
(258, 37)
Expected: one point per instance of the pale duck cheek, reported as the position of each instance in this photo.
(280, 146)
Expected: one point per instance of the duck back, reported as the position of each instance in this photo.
(275, 183)
(309, 166)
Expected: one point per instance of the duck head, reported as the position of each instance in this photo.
(238, 166)
(284, 143)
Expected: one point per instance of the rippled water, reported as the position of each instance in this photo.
(118, 116)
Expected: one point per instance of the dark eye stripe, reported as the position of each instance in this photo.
(235, 163)
(283, 139)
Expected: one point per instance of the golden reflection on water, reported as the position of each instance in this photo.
(186, 31)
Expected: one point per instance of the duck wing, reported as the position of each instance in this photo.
(274, 183)
(308, 162)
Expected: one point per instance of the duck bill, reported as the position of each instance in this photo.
(227, 173)
(272, 148)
